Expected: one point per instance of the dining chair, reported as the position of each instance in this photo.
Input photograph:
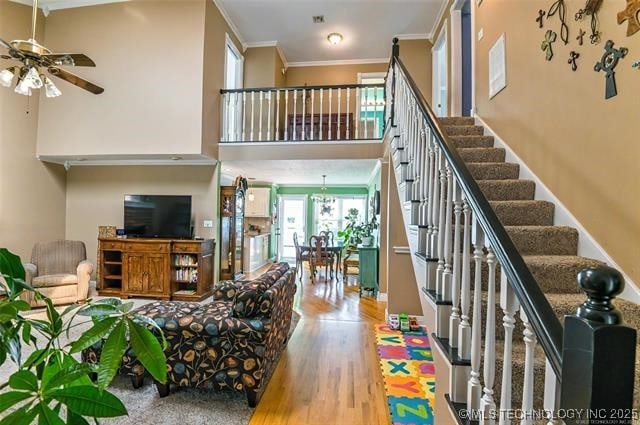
(330, 241)
(351, 261)
(319, 256)
(301, 256)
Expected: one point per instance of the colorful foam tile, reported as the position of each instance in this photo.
(419, 353)
(412, 340)
(429, 385)
(398, 386)
(399, 367)
(392, 352)
(385, 329)
(415, 411)
(389, 339)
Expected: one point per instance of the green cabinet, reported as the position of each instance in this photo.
(368, 267)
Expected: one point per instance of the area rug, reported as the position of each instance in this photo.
(409, 375)
(182, 406)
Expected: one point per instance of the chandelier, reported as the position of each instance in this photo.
(324, 201)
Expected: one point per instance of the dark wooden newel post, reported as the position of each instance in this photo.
(395, 53)
(598, 355)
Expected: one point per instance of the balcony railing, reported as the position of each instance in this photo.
(349, 112)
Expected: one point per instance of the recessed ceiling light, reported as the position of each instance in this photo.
(334, 38)
(319, 19)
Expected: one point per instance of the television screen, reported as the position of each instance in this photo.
(157, 216)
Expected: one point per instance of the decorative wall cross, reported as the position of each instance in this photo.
(572, 60)
(580, 36)
(540, 18)
(636, 65)
(560, 8)
(630, 14)
(547, 44)
(607, 64)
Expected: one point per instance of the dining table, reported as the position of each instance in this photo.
(333, 249)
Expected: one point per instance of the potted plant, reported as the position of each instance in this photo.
(50, 386)
(346, 235)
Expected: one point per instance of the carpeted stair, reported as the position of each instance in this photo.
(549, 251)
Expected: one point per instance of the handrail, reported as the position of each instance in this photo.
(532, 300)
(328, 86)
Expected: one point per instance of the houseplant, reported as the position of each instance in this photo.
(357, 232)
(51, 385)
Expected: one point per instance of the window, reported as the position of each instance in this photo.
(335, 221)
(372, 105)
(233, 76)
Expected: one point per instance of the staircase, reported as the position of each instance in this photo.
(497, 279)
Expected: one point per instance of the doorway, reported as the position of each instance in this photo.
(292, 213)
(440, 85)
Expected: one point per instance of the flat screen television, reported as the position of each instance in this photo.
(157, 216)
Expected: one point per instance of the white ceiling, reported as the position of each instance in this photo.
(65, 4)
(368, 26)
(304, 172)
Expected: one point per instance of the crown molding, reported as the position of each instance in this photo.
(68, 4)
(423, 36)
(257, 44)
(441, 12)
(233, 26)
(339, 62)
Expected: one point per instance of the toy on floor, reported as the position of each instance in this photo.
(394, 322)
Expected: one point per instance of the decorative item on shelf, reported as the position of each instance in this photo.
(120, 233)
(580, 36)
(549, 38)
(107, 231)
(560, 8)
(573, 56)
(631, 14)
(609, 61)
(35, 59)
(324, 201)
(540, 18)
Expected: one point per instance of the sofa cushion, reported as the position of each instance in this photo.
(249, 297)
(225, 290)
(61, 279)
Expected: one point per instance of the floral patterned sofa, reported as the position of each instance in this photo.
(232, 343)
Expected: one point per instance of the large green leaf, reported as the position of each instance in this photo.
(11, 398)
(24, 380)
(75, 419)
(111, 355)
(151, 324)
(148, 351)
(99, 310)
(47, 416)
(8, 312)
(10, 264)
(88, 400)
(94, 334)
(37, 357)
(22, 416)
(68, 372)
(53, 316)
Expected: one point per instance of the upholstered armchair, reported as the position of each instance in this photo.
(60, 271)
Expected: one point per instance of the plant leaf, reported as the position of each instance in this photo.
(111, 355)
(53, 316)
(26, 332)
(36, 357)
(10, 264)
(47, 416)
(11, 398)
(68, 373)
(75, 419)
(24, 380)
(22, 416)
(87, 400)
(94, 334)
(144, 320)
(148, 351)
(99, 310)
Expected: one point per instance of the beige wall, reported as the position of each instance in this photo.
(32, 194)
(95, 196)
(149, 58)
(259, 67)
(329, 74)
(583, 147)
(416, 56)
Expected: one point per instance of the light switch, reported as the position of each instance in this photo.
(481, 34)
(207, 223)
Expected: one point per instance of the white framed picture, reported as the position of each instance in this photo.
(497, 67)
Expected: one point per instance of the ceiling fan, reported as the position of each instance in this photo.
(34, 57)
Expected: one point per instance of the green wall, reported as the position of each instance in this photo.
(314, 190)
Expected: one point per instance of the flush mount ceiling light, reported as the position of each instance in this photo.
(334, 38)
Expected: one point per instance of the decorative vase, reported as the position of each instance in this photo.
(367, 241)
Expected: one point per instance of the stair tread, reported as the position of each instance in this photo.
(471, 141)
(524, 212)
(455, 130)
(482, 154)
(451, 121)
(544, 240)
(508, 189)
(494, 170)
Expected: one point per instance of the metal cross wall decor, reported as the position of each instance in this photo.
(580, 36)
(540, 18)
(560, 8)
(547, 44)
(630, 14)
(573, 56)
(609, 60)
(591, 8)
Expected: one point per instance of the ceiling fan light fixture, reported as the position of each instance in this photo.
(334, 38)
(50, 89)
(23, 87)
(6, 76)
(33, 78)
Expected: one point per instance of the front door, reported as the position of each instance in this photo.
(293, 219)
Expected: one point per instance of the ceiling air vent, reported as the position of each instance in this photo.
(318, 19)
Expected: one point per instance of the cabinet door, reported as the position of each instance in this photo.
(156, 273)
(134, 272)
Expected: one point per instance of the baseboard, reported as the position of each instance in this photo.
(587, 245)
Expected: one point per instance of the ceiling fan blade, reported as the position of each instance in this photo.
(13, 52)
(5, 44)
(75, 80)
(69, 59)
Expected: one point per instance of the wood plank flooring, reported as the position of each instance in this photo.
(329, 373)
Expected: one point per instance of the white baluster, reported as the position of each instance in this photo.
(430, 194)
(244, 115)
(252, 114)
(260, 118)
(304, 114)
(313, 92)
(551, 394)
(339, 107)
(238, 130)
(269, 116)
(455, 278)
(330, 136)
(366, 112)
(320, 119)
(447, 272)
(464, 330)
(358, 111)
(375, 108)
(530, 341)
(435, 203)
(509, 305)
(295, 111)
(348, 117)
(277, 135)
(286, 115)
(474, 389)
(441, 224)
(488, 405)
(225, 115)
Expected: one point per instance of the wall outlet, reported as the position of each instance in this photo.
(207, 223)
(481, 34)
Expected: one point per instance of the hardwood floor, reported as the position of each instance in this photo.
(329, 373)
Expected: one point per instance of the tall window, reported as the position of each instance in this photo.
(233, 76)
(335, 221)
(372, 104)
